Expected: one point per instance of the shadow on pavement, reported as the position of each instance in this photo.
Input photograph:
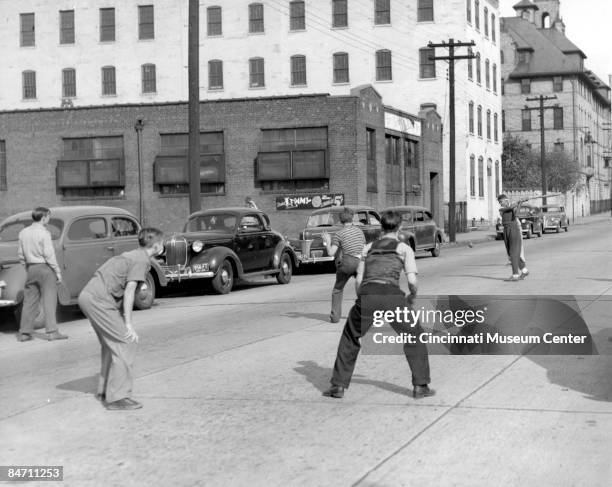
(479, 277)
(310, 316)
(319, 377)
(87, 385)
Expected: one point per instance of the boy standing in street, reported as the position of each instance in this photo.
(513, 237)
(36, 252)
(114, 283)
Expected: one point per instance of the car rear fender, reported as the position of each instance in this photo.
(215, 257)
(14, 277)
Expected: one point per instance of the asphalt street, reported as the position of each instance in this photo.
(232, 384)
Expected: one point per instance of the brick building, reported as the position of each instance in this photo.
(92, 52)
(538, 59)
(267, 147)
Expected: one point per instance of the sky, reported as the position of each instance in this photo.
(588, 24)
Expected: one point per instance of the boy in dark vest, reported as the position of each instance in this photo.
(378, 288)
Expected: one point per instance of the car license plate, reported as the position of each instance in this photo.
(317, 253)
(199, 267)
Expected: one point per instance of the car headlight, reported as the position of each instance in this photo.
(523, 220)
(197, 246)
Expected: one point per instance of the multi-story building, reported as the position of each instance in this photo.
(538, 59)
(99, 53)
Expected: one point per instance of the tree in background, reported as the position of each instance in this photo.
(522, 170)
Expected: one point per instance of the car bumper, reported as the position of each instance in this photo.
(8, 303)
(180, 273)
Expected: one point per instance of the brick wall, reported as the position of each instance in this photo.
(34, 145)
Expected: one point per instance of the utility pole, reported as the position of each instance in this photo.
(193, 152)
(451, 58)
(541, 109)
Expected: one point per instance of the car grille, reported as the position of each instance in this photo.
(176, 249)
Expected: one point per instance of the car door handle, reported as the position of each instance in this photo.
(110, 247)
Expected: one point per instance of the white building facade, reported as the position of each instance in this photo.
(89, 52)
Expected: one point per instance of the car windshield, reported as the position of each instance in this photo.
(10, 231)
(217, 222)
(526, 211)
(554, 209)
(323, 220)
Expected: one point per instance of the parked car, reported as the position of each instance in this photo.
(220, 245)
(419, 229)
(531, 220)
(555, 218)
(84, 237)
(309, 246)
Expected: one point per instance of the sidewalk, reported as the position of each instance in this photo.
(486, 234)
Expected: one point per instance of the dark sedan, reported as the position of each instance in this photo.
(309, 247)
(419, 229)
(224, 244)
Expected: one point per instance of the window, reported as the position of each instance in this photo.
(559, 146)
(503, 121)
(478, 69)
(341, 67)
(372, 182)
(485, 17)
(489, 124)
(494, 78)
(557, 83)
(470, 65)
(29, 85)
(256, 17)
(213, 19)
(2, 165)
(558, 118)
(477, 14)
(479, 121)
(383, 65)
(468, 11)
(215, 74)
(146, 22)
(297, 16)
(66, 26)
(91, 167)
(495, 128)
(298, 70)
(123, 227)
(392, 159)
(88, 229)
(526, 120)
(293, 158)
(411, 164)
(503, 87)
(487, 75)
(109, 85)
(382, 12)
(481, 177)
(27, 37)
(497, 188)
(107, 24)
(68, 83)
(525, 86)
(472, 175)
(149, 84)
(339, 13)
(471, 117)
(501, 56)
(171, 170)
(427, 65)
(522, 57)
(493, 29)
(256, 73)
(425, 11)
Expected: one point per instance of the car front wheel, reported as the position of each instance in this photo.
(566, 227)
(145, 293)
(540, 230)
(436, 250)
(223, 282)
(286, 270)
(558, 229)
(529, 232)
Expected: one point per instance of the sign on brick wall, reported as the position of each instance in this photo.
(309, 201)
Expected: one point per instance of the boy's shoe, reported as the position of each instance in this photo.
(123, 405)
